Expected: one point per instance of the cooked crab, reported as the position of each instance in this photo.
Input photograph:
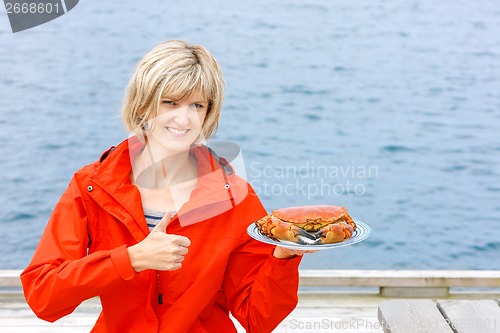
(322, 224)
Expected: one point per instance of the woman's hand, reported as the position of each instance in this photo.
(286, 253)
(159, 250)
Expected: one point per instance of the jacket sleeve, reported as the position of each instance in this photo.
(261, 290)
(61, 275)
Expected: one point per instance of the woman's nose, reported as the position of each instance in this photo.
(182, 115)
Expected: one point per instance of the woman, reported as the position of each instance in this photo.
(157, 226)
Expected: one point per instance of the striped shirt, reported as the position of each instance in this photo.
(153, 217)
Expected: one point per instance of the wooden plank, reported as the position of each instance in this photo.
(414, 292)
(10, 278)
(399, 278)
(328, 313)
(471, 316)
(363, 278)
(411, 316)
(41, 329)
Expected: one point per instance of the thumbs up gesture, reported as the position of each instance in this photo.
(159, 250)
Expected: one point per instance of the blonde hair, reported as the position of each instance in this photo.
(173, 69)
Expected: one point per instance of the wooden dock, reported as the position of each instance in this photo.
(329, 300)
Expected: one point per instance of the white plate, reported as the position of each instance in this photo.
(360, 234)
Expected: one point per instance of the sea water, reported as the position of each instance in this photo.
(390, 108)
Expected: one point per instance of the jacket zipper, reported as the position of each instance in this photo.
(160, 295)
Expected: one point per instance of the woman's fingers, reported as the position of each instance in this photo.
(181, 240)
(283, 252)
(182, 250)
(159, 250)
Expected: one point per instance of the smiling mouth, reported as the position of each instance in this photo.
(177, 131)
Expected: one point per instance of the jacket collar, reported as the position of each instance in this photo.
(218, 188)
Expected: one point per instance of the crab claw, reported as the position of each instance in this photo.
(284, 231)
(334, 233)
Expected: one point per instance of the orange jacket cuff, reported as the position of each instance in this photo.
(121, 261)
(282, 267)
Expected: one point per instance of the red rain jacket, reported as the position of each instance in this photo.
(82, 254)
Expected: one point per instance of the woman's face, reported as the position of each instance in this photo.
(179, 122)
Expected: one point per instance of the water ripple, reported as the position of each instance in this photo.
(397, 149)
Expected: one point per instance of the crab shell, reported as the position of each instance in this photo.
(320, 224)
(314, 218)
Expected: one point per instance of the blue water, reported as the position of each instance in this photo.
(391, 108)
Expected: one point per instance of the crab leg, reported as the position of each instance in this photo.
(334, 233)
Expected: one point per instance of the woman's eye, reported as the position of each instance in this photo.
(198, 106)
(168, 102)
